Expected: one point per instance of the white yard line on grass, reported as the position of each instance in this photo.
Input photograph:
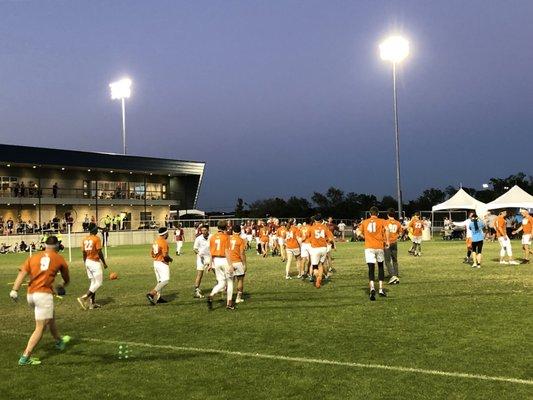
(307, 360)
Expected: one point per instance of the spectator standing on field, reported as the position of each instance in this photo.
(342, 229)
(180, 238)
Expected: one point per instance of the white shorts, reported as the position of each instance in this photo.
(249, 238)
(374, 255)
(42, 304)
(220, 265)
(243, 236)
(526, 239)
(94, 268)
(504, 242)
(417, 239)
(162, 271)
(202, 262)
(318, 255)
(306, 253)
(239, 269)
(272, 240)
(281, 241)
(295, 252)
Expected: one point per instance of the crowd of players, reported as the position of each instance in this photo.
(307, 245)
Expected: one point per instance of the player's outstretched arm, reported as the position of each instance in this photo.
(16, 286)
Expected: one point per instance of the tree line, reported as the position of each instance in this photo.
(338, 204)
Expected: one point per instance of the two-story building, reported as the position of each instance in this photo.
(40, 184)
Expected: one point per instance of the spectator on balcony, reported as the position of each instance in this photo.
(55, 188)
(16, 190)
(107, 222)
(22, 190)
(85, 224)
(10, 225)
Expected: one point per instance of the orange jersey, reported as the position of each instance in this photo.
(159, 249)
(91, 246)
(395, 229)
(236, 248)
(263, 234)
(319, 235)
(527, 225)
(291, 239)
(218, 244)
(373, 229)
(303, 234)
(500, 226)
(417, 226)
(281, 232)
(42, 268)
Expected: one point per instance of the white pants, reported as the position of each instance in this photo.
(162, 271)
(318, 255)
(95, 274)
(223, 276)
(202, 262)
(373, 256)
(42, 304)
(179, 245)
(505, 245)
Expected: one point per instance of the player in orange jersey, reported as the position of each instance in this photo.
(526, 228)
(159, 253)
(416, 227)
(391, 253)
(93, 258)
(42, 269)
(319, 236)
(376, 235)
(281, 234)
(305, 246)
(219, 245)
(292, 243)
(263, 239)
(237, 254)
(505, 243)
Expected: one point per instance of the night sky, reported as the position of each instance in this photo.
(279, 97)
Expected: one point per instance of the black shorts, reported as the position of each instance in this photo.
(477, 247)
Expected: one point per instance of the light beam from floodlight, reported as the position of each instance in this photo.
(121, 90)
(395, 49)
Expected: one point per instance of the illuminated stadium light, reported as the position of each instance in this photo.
(394, 49)
(485, 186)
(120, 89)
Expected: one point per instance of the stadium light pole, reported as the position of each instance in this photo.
(121, 90)
(395, 49)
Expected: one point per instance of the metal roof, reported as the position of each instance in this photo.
(83, 159)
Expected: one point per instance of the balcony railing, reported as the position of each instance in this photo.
(70, 193)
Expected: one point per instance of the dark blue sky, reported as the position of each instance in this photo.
(279, 97)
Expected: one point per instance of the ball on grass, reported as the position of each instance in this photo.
(113, 276)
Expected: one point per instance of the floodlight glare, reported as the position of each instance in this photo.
(121, 89)
(394, 49)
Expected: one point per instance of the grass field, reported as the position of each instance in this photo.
(446, 332)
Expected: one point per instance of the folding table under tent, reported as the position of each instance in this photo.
(460, 201)
(515, 197)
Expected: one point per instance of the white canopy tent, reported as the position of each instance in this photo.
(462, 201)
(515, 197)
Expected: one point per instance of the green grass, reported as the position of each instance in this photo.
(443, 316)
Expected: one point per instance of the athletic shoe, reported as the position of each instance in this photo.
(382, 293)
(161, 301)
(311, 278)
(151, 299)
(83, 302)
(288, 277)
(372, 295)
(474, 265)
(393, 280)
(513, 262)
(504, 262)
(239, 300)
(28, 361)
(209, 303)
(299, 276)
(61, 344)
(230, 307)
(525, 262)
(198, 294)
(93, 306)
